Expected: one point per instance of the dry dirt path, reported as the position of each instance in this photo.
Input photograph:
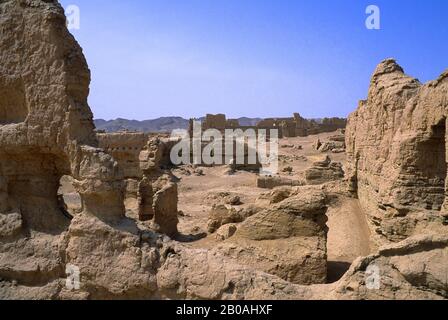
(348, 237)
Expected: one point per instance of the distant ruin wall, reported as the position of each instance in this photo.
(287, 127)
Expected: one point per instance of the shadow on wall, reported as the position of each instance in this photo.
(432, 166)
(336, 270)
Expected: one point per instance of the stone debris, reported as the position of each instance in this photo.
(323, 171)
(235, 201)
(221, 215)
(288, 169)
(226, 231)
(329, 146)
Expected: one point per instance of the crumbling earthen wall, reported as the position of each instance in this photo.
(46, 127)
(157, 191)
(46, 132)
(125, 147)
(144, 160)
(396, 147)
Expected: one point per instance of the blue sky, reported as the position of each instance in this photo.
(256, 58)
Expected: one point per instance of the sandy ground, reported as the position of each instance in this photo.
(348, 236)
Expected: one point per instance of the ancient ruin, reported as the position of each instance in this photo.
(150, 190)
(125, 147)
(322, 228)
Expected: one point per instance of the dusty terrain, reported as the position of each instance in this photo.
(348, 236)
(89, 215)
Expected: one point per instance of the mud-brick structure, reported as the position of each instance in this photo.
(47, 132)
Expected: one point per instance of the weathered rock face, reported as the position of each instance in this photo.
(150, 192)
(413, 269)
(288, 239)
(396, 146)
(46, 128)
(46, 132)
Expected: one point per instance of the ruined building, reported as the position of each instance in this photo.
(125, 147)
(287, 127)
(143, 161)
(221, 123)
